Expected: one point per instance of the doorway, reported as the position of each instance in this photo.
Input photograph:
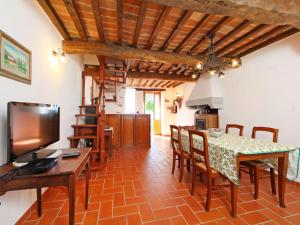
(153, 107)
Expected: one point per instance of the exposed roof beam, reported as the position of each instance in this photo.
(184, 18)
(160, 76)
(280, 12)
(159, 67)
(252, 32)
(139, 83)
(147, 81)
(193, 32)
(159, 83)
(177, 84)
(232, 33)
(49, 10)
(167, 83)
(139, 23)
(153, 82)
(150, 89)
(218, 26)
(158, 26)
(255, 41)
(71, 7)
(98, 20)
(120, 20)
(125, 52)
(171, 84)
(270, 41)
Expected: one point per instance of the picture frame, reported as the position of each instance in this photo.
(15, 59)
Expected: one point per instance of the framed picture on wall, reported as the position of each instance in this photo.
(15, 59)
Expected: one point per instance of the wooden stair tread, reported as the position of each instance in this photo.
(87, 115)
(82, 137)
(84, 125)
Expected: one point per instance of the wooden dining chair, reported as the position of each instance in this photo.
(235, 126)
(202, 166)
(254, 166)
(178, 153)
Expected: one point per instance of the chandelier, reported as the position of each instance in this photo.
(214, 64)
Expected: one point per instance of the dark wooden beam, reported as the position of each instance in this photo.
(125, 52)
(177, 84)
(167, 83)
(184, 18)
(150, 89)
(145, 84)
(49, 10)
(71, 7)
(160, 22)
(275, 31)
(159, 83)
(159, 76)
(193, 32)
(270, 41)
(98, 20)
(139, 83)
(171, 84)
(120, 20)
(158, 68)
(252, 32)
(218, 26)
(139, 24)
(279, 12)
(153, 82)
(231, 34)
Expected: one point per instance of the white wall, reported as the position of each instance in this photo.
(60, 84)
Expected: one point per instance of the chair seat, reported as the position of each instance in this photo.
(202, 166)
(253, 163)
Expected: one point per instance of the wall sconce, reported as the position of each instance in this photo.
(59, 53)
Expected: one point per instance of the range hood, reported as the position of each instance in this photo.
(212, 102)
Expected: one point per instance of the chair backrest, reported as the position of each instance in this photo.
(176, 143)
(188, 127)
(202, 152)
(274, 131)
(236, 126)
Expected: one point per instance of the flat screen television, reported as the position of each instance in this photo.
(31, 127)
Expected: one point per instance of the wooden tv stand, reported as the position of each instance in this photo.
(63, 174)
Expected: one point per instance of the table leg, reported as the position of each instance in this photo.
(71, 199)
(233, 190)
(87, 181)
(39, 201)
(282, 171)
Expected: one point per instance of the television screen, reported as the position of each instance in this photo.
(31, 126)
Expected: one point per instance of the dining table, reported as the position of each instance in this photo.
(227, 151)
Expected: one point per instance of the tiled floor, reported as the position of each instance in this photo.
(137, 187)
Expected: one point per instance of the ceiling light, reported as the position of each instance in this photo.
(194, 76)
(221, 75)
(212, 72)
(63, 57)
(234, 62)
(199, 66)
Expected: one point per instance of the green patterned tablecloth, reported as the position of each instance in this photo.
(223, 151)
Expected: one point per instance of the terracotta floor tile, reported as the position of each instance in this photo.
(178, 220)
(134, 219)
(114, 221)
(105, 209)
(213, 214)
(254, 217)
(125, 210)
(189, 216)
(136, 187)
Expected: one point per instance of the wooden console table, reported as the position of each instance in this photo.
(63, 174)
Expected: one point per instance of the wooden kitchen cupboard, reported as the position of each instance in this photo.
(130, 130)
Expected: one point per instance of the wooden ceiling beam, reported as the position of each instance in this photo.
(159, 83)
(259, 39)
(139, 24)
(120, 20)
(171, 84)
(98, 19)
(125, 52)
(71, 7)
(150, 89)
(158, 26)
(218, 26)
(270, 41)
(252, 32)
(175, 85)
(279, 12)
(145, 84)
(159, 67)
(153, 82)
(193, 32)
(49, 10)
(160, 76)
(184, 18)
(167, 83)
(231, 34)
(139, 83)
